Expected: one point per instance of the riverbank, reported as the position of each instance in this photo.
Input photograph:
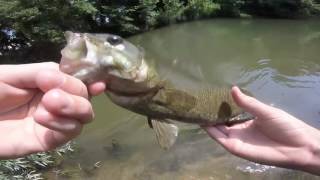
(46, 21)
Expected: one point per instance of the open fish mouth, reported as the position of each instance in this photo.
(93, 57)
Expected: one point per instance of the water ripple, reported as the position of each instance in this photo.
(306, 75)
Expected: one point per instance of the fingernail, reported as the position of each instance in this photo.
(64, 124)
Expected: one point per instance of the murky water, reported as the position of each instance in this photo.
(277, 60)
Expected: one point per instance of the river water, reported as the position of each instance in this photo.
(277, 60)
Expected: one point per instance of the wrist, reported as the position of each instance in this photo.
(312, 164)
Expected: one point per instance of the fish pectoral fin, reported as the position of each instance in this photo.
(224, 111)
(166, 132)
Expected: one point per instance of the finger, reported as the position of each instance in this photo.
(14, 97)
(250, 104)
(97, 88)
(66, 105)
(56, 123)
(216, 134)
(50, 135)
(49, 79)
(224, 129)
(23, 76)
(41, 75)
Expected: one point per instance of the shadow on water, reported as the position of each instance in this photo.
(276, 60)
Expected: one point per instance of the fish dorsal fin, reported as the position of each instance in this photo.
(224, 111)
(166, 132)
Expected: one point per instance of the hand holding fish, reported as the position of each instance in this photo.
(41, 108)
(273, 138)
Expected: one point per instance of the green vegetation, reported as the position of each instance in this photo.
(284, 8)
(30, 167)
(46, 19)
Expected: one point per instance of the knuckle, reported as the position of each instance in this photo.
(49, 78)
(56, 100)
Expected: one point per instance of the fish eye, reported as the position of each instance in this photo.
(114, 40)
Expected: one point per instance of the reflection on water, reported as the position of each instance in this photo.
(277, 60)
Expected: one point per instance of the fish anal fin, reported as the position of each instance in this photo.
(166, 132)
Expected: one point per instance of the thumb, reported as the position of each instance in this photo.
(250, 104)
(48, 79)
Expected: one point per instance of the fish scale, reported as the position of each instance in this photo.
(209, 102)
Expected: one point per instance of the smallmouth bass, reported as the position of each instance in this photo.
(136, 86)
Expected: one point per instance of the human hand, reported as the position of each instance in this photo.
(273, 138)
(41, 108)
